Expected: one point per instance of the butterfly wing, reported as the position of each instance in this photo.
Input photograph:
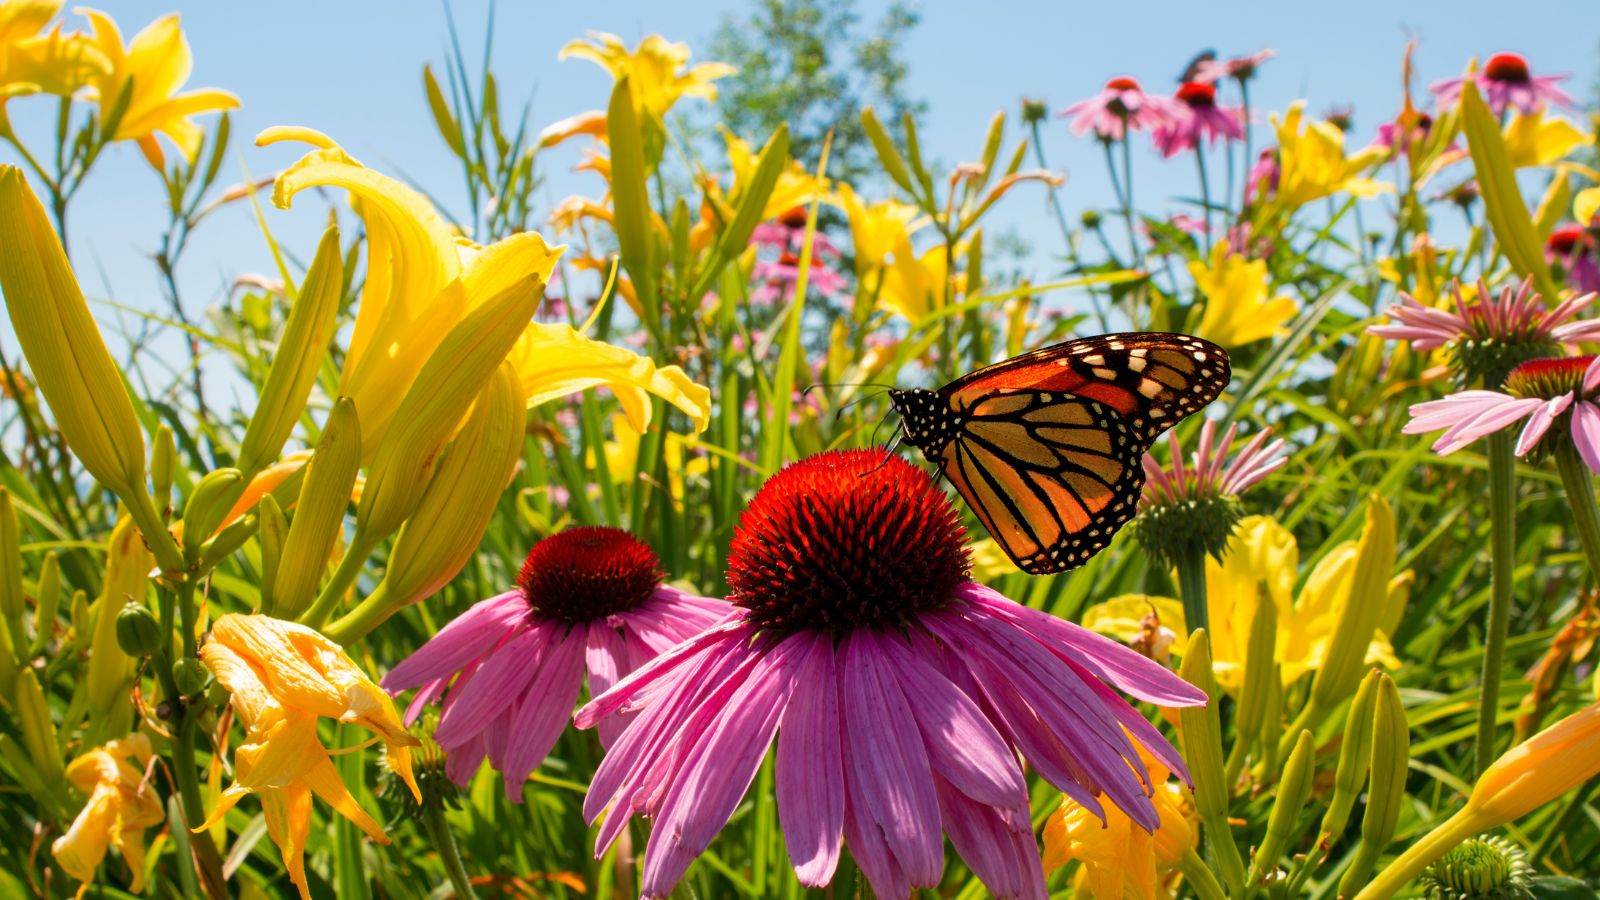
(1047, 447)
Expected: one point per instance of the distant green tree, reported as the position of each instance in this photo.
(814, 65)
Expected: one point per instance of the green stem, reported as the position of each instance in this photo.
(142, 509)
(1198, 875)
(355, 557)
(191, 802)
(1192, 588)
(1419, 856)
(1503, 552)
(1205, 190)
(367, 615)
(1577, 479)
(445, 844)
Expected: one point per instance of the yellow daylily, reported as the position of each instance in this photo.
(915, 286)
(1140, 620)
(1586, 206)
(156, 64)
(795, 187)
(655, 69)
(592, 123)
(876, 229)
(422, 280)
(1312, 162)
(1539, 140)
(282, 677)
(1238, 310)
(622, 457)
(121, 806)
(34, 61)
(1263, 552)
(1119, 858)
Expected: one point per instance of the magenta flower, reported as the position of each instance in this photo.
(1506, 82)
(1262, 179)
(1119, 106)
(1210, 473)
(1395, 133)
(1196, 115)
(1516, 315)
(776, 279)
(900, 695)
(1574, 248)
(1239, 68)
(1549, 393)
(509, 670)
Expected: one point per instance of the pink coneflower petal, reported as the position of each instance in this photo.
(810, 781)
(503, 675)
(662, 666)
(1540, 421)
(869, 848)
(1002, 854)
(606, 657)
(1433, 415)
(1484, 421)
(1591, 377)
(1586, 433)
(887, 763)
(718, 769)
(542, 715)
(464, 639)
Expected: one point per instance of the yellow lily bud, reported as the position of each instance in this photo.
(163, 458)
(1391, 755)
(445, 530)
(1362, 607)
(8, 660)
(432, 407)
(12, 601)
(38, 732)
(63, 346)
(319, 517)
(272, 527)
(1201, 730)
(1355, 754)
(208, 503)
(1259, 668)
(128, 566)
(49, 597)
(300, 352)
(1294, 788)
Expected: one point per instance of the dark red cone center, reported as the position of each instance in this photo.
(588, 573)
(1510, 68)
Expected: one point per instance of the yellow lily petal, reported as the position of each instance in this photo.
(557, 360)
(288, 817)
(1586, 205)
(1237, 310)
(1539, 140)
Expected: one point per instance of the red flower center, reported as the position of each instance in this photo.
(1563, 240)
(1507, 67)
(1546, 379)
(788, 258)
(588, 573)
(793, 217)
(1122, 83)
(846, 539)
(1197, 94)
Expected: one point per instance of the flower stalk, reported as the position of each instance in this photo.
(1576, 479)
(1502, 563)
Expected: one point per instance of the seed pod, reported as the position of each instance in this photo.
(138, 631)
(1355, 753)
(190, 676)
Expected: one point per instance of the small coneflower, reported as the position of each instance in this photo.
(1197, 116)
(1120, 107)
(775, 280)
(1558, 398)
(1573, 248)
(1507, 82)
(900, 694)
(1491, 334)
(1397, 134)
(1239, 68)
(509, 670)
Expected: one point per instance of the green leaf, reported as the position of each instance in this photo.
(631, 198)
(1502, 200)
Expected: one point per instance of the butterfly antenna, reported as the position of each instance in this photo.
(888, 454)
(879, 427)
(856, 401)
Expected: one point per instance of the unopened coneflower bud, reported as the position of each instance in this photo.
(1294, 788)
(1484, 868)
(301, 349)
(1091, 219)
(208, 504)
(12, 601)
(1355, 754)
(1034, 110)
(48, 596)
(319, 516)
(38, 732)
(428, 761)
(1391, 757)
(434, 405)
(62, 344)
(1357, 611)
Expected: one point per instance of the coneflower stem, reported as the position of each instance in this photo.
(1578, 480)
(444, 842)
(1502, 562)
(1205, 190)
(1191, 566)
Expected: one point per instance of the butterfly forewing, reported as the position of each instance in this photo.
(1047, 447)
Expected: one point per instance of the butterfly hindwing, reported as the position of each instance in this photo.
(1047, 447)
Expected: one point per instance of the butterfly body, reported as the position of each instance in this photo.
(1047, 447)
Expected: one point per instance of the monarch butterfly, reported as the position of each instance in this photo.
(1047, 448)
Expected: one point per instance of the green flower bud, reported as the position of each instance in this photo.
(49, 597)
(1091, 219)
(38, 731)
(1201, 731)
(1391, 756)
(1358, 611)
(163, 459)
(319, 516)
(12, 602)
(1486, 868)
(271, 526)
(208, 503)
(138, 631)
(1294, 788)
(1355, 754)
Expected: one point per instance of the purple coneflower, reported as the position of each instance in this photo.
(509, 670)
(1559, 393)
(776, 279)
(1492, 333)
(1262, 179)
(900, 694)
(1507, 82)
(1121, 105)
(1395, 133)
(1197, 115)
(1574, 248)
(1239, 68)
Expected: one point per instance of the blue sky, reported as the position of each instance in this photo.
(352, 69)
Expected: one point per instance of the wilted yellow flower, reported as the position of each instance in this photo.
(1262, 552)
(655, 69)
(1238, 310)
(1120, 859)
(34, 61)
(282, 677)
(1539, 140)
(121, 806)
(1312, 163)
(156, 64)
